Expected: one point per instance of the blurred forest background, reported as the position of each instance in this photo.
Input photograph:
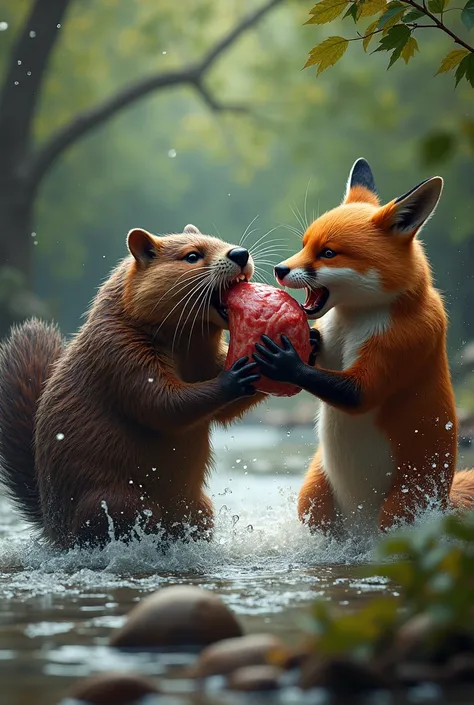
(175, 156)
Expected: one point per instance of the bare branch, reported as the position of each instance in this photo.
(193, 75)
(24, 76)
(215, 105)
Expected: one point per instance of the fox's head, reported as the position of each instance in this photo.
(362, 254)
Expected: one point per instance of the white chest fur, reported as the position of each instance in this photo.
(356, 453)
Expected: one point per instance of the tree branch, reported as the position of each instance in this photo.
(438, 23)
(22, 85)
(193, 75)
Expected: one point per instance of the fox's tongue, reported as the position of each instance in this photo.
(314, 297)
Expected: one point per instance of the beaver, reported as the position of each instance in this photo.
(108, 435)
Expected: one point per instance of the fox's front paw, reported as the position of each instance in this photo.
(315, 342)
(280, 364)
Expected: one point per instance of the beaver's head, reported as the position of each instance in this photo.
(179, 279)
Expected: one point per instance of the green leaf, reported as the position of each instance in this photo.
(371, 7)
(396, 39)
(470, 69)
(461, 70)
(408, 51)
(451, 60)
(327, 53)
(369, 33)
(392, 14)
(436, 6)
(437, 147)
(467, 15)
(353, 12)
(327, 11)
(412, 16)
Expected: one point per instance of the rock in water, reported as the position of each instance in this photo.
(112, 689)
(179, 615)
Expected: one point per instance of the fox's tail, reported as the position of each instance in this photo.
(26, 357)
(462, 489)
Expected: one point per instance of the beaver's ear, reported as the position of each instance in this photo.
(360, 187)
(143, 246)
(191, 230)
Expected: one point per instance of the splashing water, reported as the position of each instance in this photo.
(58, 608)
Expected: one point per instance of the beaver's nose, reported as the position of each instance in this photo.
(239, 255)
(281, 271)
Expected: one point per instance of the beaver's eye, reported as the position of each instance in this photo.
(327, 253)
(193, 257)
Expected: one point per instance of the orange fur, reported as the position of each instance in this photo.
(399, 369)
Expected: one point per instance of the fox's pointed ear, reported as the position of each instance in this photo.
(143, 246)
(407, 214)
(360, 187)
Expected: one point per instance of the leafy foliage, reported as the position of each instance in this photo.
(397, 22)
(433, 569)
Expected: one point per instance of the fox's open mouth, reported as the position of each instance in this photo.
(315, 300)
(218, 295)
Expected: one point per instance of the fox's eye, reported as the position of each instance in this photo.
(327, 253)
(193, 257)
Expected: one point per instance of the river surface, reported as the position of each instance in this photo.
(57, 610)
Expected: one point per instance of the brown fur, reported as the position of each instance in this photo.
(132, 398)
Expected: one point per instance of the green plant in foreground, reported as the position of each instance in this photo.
(433, 569)
(394, 27)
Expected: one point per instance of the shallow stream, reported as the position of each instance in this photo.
(58, 609)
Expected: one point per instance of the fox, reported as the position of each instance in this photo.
(387, 418)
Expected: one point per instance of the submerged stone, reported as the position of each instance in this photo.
(179, 615)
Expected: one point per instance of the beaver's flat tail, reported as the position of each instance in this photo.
(26, 358)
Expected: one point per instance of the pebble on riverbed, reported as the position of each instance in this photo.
(112, 689)
(179, 615)
(255, 678)
(232, 654)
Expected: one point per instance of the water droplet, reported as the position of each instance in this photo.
(446, 465)
(33, 234)
(239, 460)
(416, 430)
(32, 34)
(404, 490)
(154, 469)
(3, 26)
(35, 242)
(288, 433)
(60, 436)
(28, 73)
(360, 506)
(244, 467)
(249, 528)
(172, 153)
(150, 379)
(163, 52)
(254, 460)
(130, 482)
(17, 83)
(449, 426)
(235, 519)
(19, 62)
(433, 465)
(58, 26)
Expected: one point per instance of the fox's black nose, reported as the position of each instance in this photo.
(239, 255)
(281, 271)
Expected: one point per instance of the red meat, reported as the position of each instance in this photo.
(257, 309)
